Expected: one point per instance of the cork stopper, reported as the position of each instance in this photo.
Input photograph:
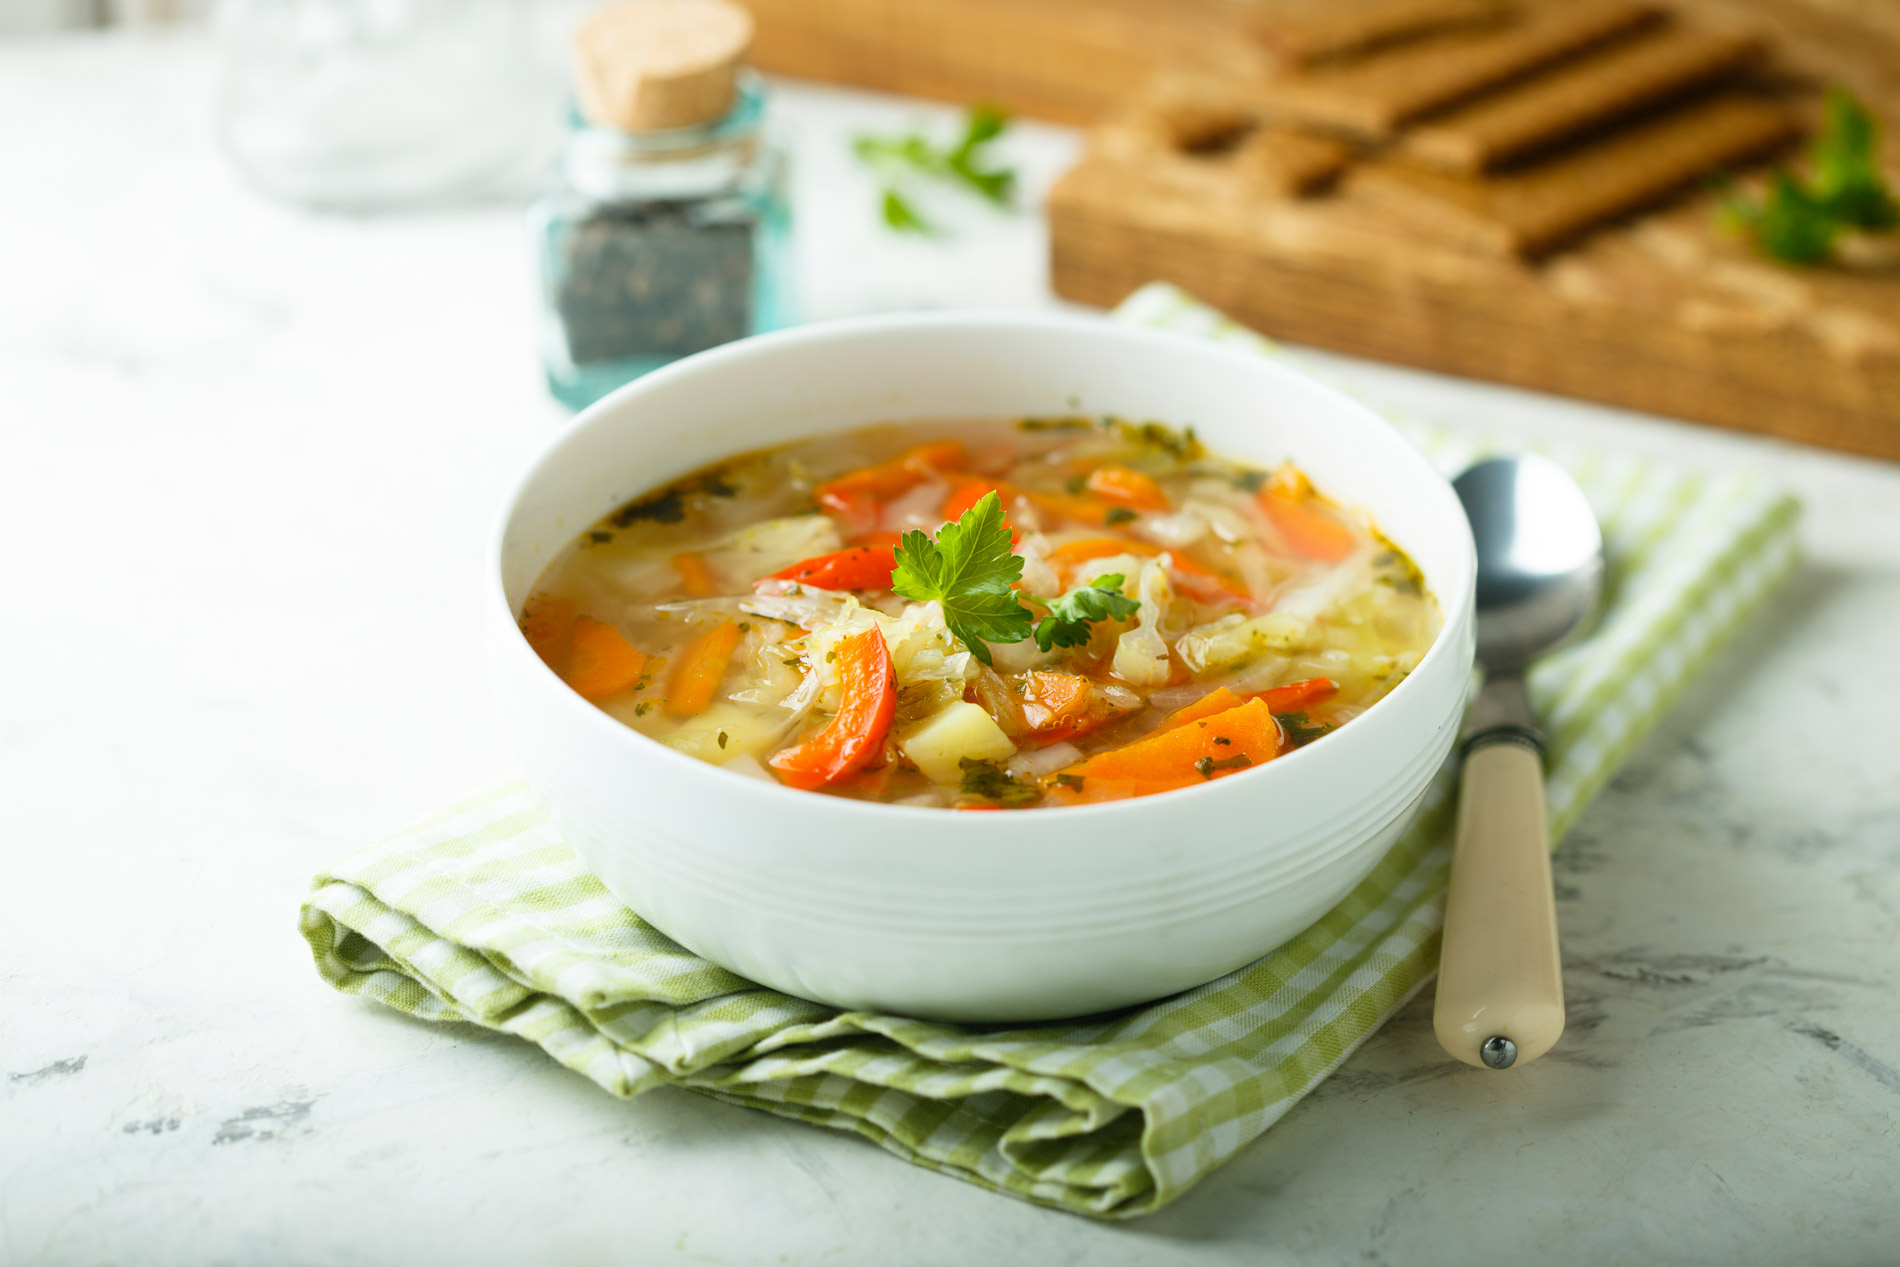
(649, 65)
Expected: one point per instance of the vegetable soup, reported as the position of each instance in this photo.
(984, 614)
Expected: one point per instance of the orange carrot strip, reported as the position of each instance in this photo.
(690, 687)
(1127, 486)
(548, 624)
(1306, 528)
(966, 495)
(695, 575)
(937, 456)
(1086, 509)
(855, 734)
(1069, 730)
(1281, 699)
(898, 475)
(1207, 706)
(1295, 696)
(857, 511)
(604, 662)
(1203, 749)
(1071, 554)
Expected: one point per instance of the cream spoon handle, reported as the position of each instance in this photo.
(1500, 983)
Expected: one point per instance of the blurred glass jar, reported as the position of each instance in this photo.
(658, 244)
(366, 105)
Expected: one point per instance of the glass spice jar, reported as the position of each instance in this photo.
(659, 241)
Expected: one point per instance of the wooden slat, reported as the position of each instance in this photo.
(1531, 211)
(1310, 33)
(1601, 88)
(1372, 97)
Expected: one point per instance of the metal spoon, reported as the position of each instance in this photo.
(1540, 575)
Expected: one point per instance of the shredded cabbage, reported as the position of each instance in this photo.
(1141, 653)
(742, 557)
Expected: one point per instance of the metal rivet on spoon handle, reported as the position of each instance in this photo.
(1500, 999)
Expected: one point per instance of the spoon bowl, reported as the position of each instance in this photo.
(1540, 558)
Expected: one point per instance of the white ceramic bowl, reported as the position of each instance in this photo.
(929, 912)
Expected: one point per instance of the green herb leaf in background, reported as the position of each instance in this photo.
(1800, 222)
(902, 160)
(900, 215)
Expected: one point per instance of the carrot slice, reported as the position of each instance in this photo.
(1281, 699)
(695, 576)
(856, 732)
(1051, 699)
(858, 568)
(1306, 527)
(1208, 705)
(548, 624)
(1127, 486)
(690, 687)
(1203, 749)
(604, 662)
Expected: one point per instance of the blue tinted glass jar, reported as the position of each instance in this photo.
(658, 244)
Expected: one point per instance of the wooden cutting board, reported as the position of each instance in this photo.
(1660, 312)
(1661, 315)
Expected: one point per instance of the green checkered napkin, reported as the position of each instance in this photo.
(482, 914)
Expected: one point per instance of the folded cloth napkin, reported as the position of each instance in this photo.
(482, 914)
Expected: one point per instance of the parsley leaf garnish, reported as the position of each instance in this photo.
(991, 782)
(1799, 221)
(1206, 766)
(1069, 618)
(898, 159)
(1300, 729)
(968, 570)
(667, 506)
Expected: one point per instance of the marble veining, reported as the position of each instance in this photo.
(248, 462)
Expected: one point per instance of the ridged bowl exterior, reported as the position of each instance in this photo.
(935, 913)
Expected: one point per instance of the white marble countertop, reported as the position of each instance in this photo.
(248, 462)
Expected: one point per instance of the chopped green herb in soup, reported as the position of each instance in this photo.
(984, 615)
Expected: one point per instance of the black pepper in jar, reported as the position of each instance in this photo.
(654, 279)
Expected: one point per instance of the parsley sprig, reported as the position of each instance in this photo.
(968, 569)
(900, 160)
(1069, 618)
(1800, 221)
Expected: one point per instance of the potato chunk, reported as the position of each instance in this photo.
(940, 743)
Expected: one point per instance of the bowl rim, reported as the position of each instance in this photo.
(872, 814)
